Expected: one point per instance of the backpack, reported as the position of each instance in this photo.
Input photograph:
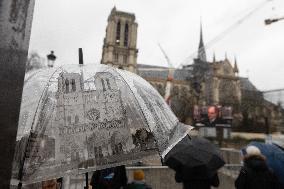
(103, 179)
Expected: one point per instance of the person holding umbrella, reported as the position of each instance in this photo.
(255, 172)
(196, 162)
(198, 183)
(274, 156)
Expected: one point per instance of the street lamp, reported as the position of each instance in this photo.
(51, 59)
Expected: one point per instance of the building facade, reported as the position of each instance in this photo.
(119, 48)
(202, 83)
(76, 113)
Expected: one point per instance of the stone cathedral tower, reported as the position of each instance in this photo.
(119, 47)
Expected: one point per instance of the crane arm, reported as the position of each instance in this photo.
(226, 31)
(166, 56)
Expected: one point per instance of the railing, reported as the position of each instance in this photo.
(162, 177)
(159, 177)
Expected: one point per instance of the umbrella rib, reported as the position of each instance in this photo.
(91, 77)
(138, 106)
(45, 88)
(30, 76)
(22, 169)
(135, 99)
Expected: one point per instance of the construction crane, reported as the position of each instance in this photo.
(270, 21)
(275, 96)
(170, 65)
(170, 77)
(223, 34)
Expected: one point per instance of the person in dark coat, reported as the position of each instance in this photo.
(110, 178)
(197, 183)
(255, 173)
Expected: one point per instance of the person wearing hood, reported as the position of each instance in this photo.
(255, 173)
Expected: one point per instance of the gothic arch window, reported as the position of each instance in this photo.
(100, 152)
(96, 152)
(108, 84)
(69, 120)
(66, 86)
(125, 59)
(116, 57)
(73, 85)
(76, 119)
(126, 35)
(103, 84)
(117, 39)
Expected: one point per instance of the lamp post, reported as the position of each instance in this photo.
(51, 59)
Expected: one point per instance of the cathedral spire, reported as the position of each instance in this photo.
(201, 47)
(214, 57)
(236, 69)
(226, 57)
(113, 9)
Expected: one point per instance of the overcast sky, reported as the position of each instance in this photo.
(66, 25)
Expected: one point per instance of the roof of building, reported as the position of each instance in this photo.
(149, 66)
(182, 74)
(153, 73)
(114, 12)
(159, 72)
(246, 84)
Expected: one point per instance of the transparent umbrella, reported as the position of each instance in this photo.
(76, 119)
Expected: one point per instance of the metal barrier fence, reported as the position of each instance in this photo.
(162, 177)
(159, 177)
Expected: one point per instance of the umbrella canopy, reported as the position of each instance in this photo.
(76, 119)
(274, 158)
(195, 158)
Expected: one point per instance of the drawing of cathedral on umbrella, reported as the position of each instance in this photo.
(99, 112)
(89, 119)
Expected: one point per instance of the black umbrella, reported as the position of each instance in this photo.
(196, 157)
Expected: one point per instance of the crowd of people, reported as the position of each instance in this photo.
(116, 178)
(254, 174)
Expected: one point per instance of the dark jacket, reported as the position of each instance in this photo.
(118, 181)
(217, 121)
(197, 183)
(256, 174)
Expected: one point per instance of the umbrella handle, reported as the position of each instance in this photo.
(87, 181)
(20, 185)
